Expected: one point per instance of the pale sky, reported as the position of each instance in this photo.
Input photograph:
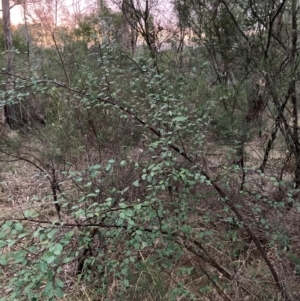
(73, 6)
(163, 10)
(16, 15)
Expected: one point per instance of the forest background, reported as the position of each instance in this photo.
(150, 150)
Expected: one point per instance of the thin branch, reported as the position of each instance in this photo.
(61, 60)
(223, 195)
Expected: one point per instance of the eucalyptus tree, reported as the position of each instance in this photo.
(139, 19)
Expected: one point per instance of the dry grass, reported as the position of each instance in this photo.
(24, 187)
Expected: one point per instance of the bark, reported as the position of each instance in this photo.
(293, 95)
(256, 102)
(9, 109)
(125, 26)
(129, 34)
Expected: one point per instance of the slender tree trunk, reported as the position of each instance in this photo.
(293, 94)
(9, 108)
(125, 27)
(133, 38)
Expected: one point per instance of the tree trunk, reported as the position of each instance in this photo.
(9, 109)
(293, 94)
(129, 34)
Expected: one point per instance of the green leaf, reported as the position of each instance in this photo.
(179, 118)
(52, 233)
(11, 242)
(92, 195)
(48, 287)
(94, 173)
(58, 292)
(58, 249)
(136, 183)
(138, 207)
(19, 226)
(129, 212)
(131, 222)
(43, 266)
(68, 259)
(23, 235)
(109, 201)
(27, 213)
(59, 283)
(48, 256)
(132, 259)
(125, 189)
(3, 261)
